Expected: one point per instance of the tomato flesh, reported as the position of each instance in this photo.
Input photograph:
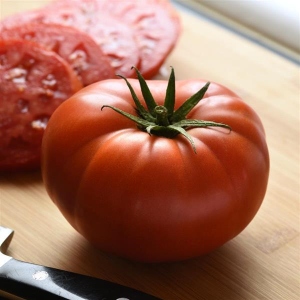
(76, 47)
(34, 83)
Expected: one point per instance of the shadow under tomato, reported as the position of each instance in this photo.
(221, 274)
(21, 178)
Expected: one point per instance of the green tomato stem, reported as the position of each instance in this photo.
(162, 120)
(161, 113)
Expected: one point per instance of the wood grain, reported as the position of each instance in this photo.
(263, 261)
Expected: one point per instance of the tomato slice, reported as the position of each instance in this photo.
(132, 33)
(156, 25)
(34, 82)
(115, 38)
(76, 47)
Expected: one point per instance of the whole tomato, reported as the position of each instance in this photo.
(168, 188)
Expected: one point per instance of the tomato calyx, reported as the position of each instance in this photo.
(162, 120)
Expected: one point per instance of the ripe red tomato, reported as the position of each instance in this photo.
(151, 198)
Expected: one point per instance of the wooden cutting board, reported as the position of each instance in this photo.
(263, 261)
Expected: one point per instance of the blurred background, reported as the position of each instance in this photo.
(273, 23)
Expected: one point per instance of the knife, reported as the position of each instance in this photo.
(36, 282)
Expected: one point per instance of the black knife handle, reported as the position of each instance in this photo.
(37, 282)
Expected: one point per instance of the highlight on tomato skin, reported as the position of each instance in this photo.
(156, 171)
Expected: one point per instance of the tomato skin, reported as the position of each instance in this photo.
(149, 198)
